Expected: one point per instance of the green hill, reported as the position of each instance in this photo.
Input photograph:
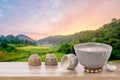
(11, 50)
(109, 34)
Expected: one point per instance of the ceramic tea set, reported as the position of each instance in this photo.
(35, 60)
(93, 56)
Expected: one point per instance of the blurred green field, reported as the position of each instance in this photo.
(22, 53)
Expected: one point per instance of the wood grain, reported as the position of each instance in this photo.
(22, 71)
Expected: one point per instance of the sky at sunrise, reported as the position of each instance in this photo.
(41, 18)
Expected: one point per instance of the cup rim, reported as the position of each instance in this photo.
(63, 61)
(76, 47)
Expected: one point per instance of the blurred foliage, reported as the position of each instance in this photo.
(14, 49)
(108, 34)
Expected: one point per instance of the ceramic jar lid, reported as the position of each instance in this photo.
(34, 60)
(51, 60)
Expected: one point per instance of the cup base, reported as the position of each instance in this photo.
(93, 70)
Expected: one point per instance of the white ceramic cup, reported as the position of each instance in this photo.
(69, 61)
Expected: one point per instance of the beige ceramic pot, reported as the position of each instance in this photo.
(51, 60)
(69, 61)
(34, 60)
(93, 55)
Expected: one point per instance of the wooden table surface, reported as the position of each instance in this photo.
(21, 71)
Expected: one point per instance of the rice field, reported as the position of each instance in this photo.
(22, 53)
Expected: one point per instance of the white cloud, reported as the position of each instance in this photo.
(56, 17)
(56, 3)
(1, 15)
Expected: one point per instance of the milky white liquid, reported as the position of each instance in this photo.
(93, 49)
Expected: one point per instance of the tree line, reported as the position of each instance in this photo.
(108, 34)
(10, 39)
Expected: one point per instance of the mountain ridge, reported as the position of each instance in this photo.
(24, 37)
(88, 35)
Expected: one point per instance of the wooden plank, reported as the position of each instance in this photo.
(21, 71)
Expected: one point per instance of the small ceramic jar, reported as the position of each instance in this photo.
(34, 60)
(69, 61)
(51, 60)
